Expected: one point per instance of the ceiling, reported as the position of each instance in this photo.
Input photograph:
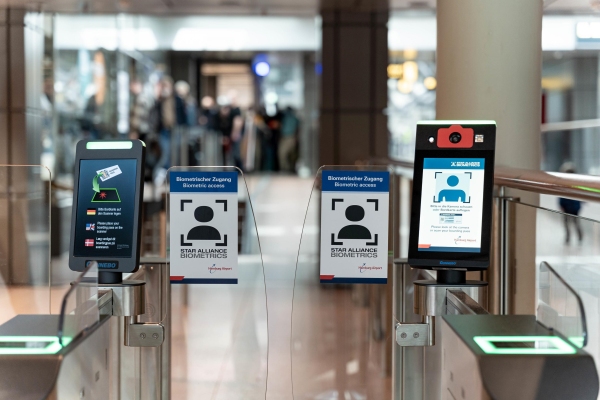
(260, 7)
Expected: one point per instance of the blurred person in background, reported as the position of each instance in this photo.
(189, 105)
(166, 119)
(182, 89)
(262, 133)
(230, 124)
(190, 132)
(208, 113)
(288, 143)
(273, 122)
(139, 125)
(571, 208)
(179, 133)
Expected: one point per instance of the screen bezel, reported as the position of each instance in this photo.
(424, 149)
(136, 152)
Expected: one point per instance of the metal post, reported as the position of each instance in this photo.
(155, 376)
(499, 275)
(397, 352)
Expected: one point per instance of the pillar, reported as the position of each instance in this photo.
(489, 67)
(23, 217)
(353, 87)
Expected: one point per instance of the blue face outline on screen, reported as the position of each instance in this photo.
(450, 194)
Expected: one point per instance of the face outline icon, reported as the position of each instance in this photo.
(204, 214)
(354, 213)
(450, 194)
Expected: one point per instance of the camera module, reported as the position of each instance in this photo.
(455, 137)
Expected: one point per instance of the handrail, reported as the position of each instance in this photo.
(576, 186)
(570, 125)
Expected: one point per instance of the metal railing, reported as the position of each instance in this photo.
(579, 187)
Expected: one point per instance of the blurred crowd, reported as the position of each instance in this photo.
(178, 130)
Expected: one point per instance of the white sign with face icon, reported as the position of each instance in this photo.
(354, 226)
(203, 227)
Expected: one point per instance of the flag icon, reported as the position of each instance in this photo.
(91, 211)
(90, 227)
(89, 242)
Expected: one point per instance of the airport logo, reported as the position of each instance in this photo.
(461, 240)
(363, 268)
(447, 262)
(90, 227)
(89, 242)
(211, 270)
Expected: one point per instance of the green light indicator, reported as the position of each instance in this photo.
(589, 189)
(463, 122)
(577, 341)
(23, 345)
(120, 145)
(532, 345)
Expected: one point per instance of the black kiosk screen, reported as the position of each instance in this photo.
(451, 205)
(105, 208)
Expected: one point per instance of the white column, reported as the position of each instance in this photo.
(489, 67)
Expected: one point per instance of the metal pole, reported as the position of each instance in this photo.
(155, 371)
(166, 316)
(398, 309)
(499, 275)
(494, 274)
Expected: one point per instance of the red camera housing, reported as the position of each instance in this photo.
(467, 137)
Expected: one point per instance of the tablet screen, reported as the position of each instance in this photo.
(451, 205)
(105, 208)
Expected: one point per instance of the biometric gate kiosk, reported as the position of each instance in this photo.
(442, 353)
(58, 335)
(55, 346)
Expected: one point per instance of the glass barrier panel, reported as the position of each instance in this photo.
(342, 332)
(559, 307)
(568, 244)
(218, 294)
(25, 265)
(80, 306)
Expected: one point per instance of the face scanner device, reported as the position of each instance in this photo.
(452, 198)
(482, 356)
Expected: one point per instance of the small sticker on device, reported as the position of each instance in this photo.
(478, 138)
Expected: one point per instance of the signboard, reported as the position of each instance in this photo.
(354, 226)
(203, 218)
